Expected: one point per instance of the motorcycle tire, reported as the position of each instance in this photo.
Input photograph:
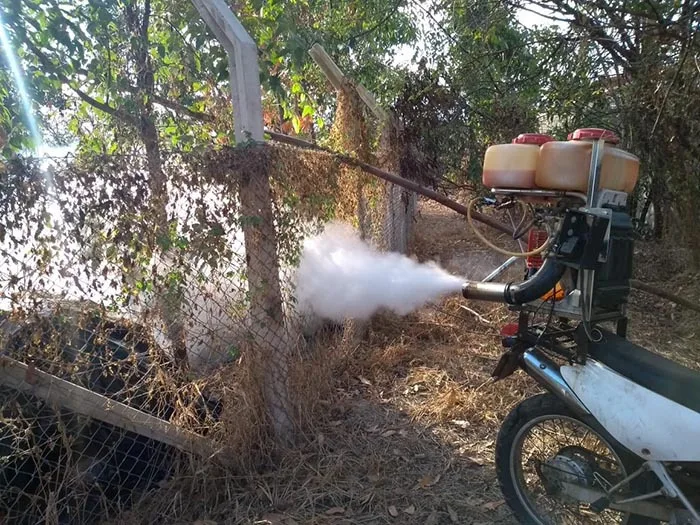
(538, 407)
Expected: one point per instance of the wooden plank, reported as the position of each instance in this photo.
(57, 391)
(372, 104)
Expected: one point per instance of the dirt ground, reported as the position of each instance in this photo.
(409, 431)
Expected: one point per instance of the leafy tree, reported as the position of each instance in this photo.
(481, 86)
(632, 67)
(135, 76)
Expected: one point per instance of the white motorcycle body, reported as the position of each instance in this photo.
(648, 424)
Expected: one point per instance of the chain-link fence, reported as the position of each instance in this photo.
(143, 326)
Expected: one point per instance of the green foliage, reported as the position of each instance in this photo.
(102, 70)
(482, 86)
(87, 60)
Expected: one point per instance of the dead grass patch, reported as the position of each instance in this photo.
(399, 427)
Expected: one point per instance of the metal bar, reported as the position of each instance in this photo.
(594, 172)
(671, 487)
(546, 372)
(641, 497)
(395, 179)
(539, 193)
(643, 508)
(625, 481)
(498, 271)
(515, 230)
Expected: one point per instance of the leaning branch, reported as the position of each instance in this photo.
(182, 109)
(648, 288)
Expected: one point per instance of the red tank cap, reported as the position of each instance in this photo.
(532, 138)
(594, 134)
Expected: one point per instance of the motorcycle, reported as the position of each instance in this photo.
(615, 438)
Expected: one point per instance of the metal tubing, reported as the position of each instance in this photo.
(484, 291)
(498, 271)
(519, 293)
(543, 281)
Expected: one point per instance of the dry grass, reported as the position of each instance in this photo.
(400, 426)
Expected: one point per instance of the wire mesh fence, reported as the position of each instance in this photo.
(130, 311)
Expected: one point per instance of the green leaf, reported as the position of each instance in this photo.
(308, 111)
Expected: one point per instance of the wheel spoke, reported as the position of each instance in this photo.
(553, 450)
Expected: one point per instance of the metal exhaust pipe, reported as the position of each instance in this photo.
(544, 280)
(546, 372)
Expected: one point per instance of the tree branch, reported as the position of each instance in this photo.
(182, 109)
(664, 294)
(391, 12)
(102, 106)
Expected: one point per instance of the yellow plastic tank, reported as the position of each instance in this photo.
(565, 165)
(514, 165)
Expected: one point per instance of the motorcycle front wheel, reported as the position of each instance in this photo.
(544, 453)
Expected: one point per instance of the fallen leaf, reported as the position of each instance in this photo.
(473, 501)
(335, 511)
(373, 429)
(423, 482)
(393, 511)
(461, 423)
(336, 423)
(453, 515)
(321, 439)
(493, 505)
(207, 522)
(397, 452)
(432, 519)
(411, 509)
(475, 461)
(403, 433)
(388, 433)
(364, 381)
(427, 481)
(374, 477)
